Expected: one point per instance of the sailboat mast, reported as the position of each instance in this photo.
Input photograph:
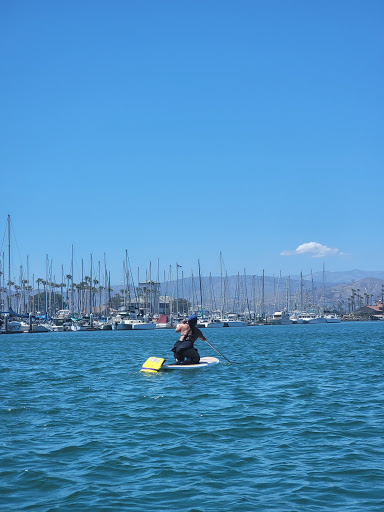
(177, 288)
(90, 290)
(323, 301)
(28, 292)
(82, 287)
(99, 279)
(72, 282)
(201, 291)
(312, 290)
(9, 262)
(221, 284)
(289, 294)
(193, 291)
(150, 290)
(61, 286)
(46, 284)
(105, 295)
(301, 291)
(263, 297)
(126, 277)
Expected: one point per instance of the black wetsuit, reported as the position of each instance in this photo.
(184, 351)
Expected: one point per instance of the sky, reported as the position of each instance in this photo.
(177, 130)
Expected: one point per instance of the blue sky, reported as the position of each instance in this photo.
(179, 129)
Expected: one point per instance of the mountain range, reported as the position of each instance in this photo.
(347, 276)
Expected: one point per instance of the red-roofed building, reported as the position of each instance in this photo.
(373, 312)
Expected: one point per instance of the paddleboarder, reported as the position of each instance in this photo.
(184, 351)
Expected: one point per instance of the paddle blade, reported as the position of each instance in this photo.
(152, 364)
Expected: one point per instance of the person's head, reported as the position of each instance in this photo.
(192, 321)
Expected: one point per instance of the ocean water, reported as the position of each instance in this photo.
(297, 425)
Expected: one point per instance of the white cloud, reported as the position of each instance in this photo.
(313, 249)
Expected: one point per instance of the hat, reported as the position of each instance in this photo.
(192, 318)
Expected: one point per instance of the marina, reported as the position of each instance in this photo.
(224, 301)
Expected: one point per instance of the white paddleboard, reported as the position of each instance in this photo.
(203, 363)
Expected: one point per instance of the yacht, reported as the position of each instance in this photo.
(132, 321)
(297, 318)
(332, 318)
(312, 318)
(281, 318)
(233, 320)
(209, 323)
(121, 323)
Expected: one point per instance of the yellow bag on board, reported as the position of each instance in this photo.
(152, 365)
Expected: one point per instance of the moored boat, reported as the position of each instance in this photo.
(281, 318)
(332, 318)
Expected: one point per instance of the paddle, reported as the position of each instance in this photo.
(222, 355)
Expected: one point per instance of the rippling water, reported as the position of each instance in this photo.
(297, 426)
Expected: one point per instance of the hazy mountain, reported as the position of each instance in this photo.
(242, 293)
(347, 276)
(369, 289)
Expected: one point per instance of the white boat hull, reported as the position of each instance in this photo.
(41, 328)
(58, 328)
(123, 327)
(14, 327)
(332, 319)
(235, 323)
(144, 326)
(210, 325)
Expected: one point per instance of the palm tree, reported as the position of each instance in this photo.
(44, 283)
(101, 288)
(94, 291)
(38, 281)
(80, 288)
(358, 298)
(86, 283)
(10, 284)
(18, 297)
(62, 285)
(73, 292)
(68, 277)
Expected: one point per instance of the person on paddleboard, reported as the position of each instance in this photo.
(184, 352)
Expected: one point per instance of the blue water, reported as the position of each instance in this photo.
(298, 426)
